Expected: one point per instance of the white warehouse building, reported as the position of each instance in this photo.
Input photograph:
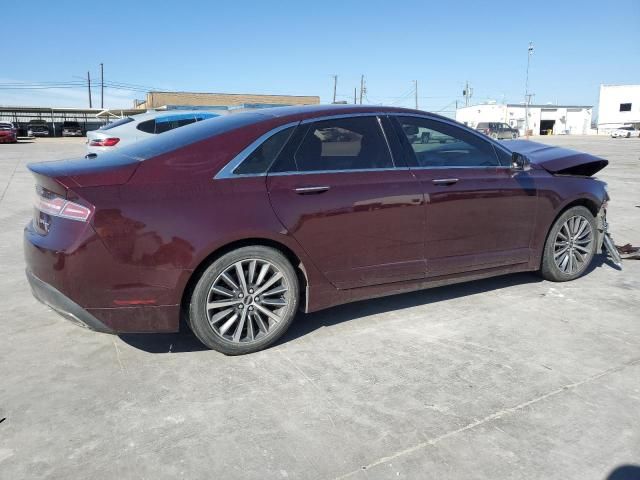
(543, 119)
(619, 106)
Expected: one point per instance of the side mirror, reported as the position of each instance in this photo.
(519, 161)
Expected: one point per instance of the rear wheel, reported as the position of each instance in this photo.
(244, 301)
(570, 245)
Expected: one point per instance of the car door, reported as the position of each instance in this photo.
(479, 213)
(360, 218)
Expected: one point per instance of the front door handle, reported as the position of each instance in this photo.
(444, 181)
(311, 190)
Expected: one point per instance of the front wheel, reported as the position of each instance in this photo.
(244, 301)
(570, 245)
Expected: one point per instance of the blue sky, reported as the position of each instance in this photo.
(293, 47)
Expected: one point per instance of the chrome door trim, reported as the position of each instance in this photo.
(355, 170)
(314, 189)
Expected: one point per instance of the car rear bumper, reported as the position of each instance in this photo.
(63, 305)
(84, 284)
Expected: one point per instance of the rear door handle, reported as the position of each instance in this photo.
(311, 190)
(444, 181)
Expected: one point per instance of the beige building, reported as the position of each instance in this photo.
(161, 99)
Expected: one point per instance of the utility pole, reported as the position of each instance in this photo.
(415, 91)
(355, 100)
(335, 87)
(89, 85)
(527, 97)
(362, 88)
(467, 92)
(102, 86)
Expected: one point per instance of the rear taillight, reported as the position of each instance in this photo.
(56, 206)
(104, 142)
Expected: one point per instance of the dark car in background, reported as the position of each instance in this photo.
(72, 129)
(37, 128)
(238, 222)
(498, 130)
(8, 133)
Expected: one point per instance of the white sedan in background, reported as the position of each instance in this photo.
(132, 129)
(625, 132)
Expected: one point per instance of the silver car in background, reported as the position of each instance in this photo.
(132, 129)
(625, 132)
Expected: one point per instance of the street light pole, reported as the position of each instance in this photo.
(101, 85)
(526, 92)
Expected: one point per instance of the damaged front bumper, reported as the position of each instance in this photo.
(605, 242)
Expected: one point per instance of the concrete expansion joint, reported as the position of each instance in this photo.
(490, 418)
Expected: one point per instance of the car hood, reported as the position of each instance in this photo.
(558, 160)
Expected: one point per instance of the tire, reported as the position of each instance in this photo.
(259, 321)
(578, 252)
(494, 136)
(514, 136)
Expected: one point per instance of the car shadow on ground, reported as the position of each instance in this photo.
(185, 340)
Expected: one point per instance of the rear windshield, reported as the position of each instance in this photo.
(117, 123)
(5, 126)
(180, 137)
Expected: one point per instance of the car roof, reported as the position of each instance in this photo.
(159, 113)
(303, 112)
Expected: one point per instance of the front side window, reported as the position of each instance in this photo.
(625, 107)
(355, 143)
(436, 144)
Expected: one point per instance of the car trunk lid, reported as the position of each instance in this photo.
(109, 169)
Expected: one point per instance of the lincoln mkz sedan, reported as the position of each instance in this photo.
(237, 222)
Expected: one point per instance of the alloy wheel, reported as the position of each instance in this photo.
(573, 245)
(247, 300)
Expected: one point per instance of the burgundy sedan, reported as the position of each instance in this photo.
(240, 221)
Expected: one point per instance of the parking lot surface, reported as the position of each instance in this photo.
(512, 377)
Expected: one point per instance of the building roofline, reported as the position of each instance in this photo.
(533, 105)
(542, 105)
(234, 94)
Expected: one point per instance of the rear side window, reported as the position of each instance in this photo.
(117, 123)
(435, 144)
(171, 122)
(148, 126)
(259, 161)
(354, 143)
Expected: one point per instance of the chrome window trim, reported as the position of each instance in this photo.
(351, 170)
(340, 115)
(227, 170)
(476, 167)
(386, 141)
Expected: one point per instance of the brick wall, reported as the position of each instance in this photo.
(158, 99)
